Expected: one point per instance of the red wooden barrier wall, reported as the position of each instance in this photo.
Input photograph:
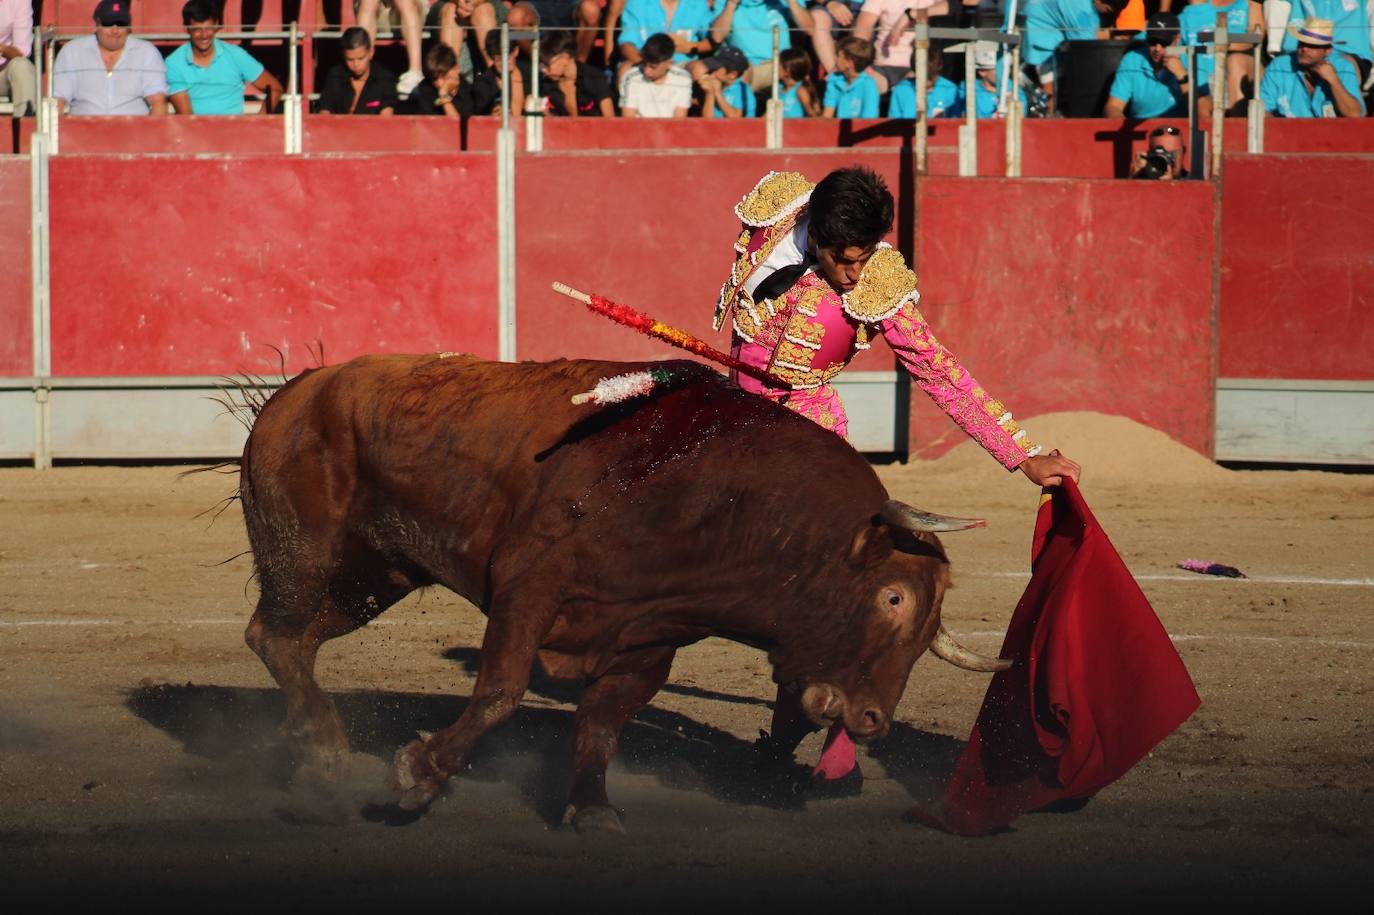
(653, 230)
(16, 287)
(1297, 267)
(1072, 295)
(191, 266)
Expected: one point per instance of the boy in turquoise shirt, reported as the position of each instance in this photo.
(850, 92)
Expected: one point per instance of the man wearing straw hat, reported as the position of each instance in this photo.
(1311, 82)
(813, 283)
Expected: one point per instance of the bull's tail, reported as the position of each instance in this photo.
(244, 397)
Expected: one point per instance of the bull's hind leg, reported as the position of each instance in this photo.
(292, 621)
(607, 704)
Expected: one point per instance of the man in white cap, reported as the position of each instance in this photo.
(985, 82)
(1311, 82)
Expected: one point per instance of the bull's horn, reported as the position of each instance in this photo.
(947, 649)
(899, 514)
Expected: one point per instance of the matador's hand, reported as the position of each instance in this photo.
(1050, 469)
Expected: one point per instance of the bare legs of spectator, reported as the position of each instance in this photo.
(587, 18)
(1240, 66)
(823, 41)
(411, 29)
(20, 81)
(613, 11)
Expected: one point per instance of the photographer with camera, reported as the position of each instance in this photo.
(1165, 158)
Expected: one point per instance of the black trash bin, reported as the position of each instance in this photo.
(1083, 75)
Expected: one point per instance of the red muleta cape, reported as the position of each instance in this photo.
(1096, 683)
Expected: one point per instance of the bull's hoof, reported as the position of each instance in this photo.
(416, 777)
(604, 820)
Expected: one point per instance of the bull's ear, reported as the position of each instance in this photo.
(871, 545)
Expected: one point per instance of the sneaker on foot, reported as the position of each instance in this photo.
(408, 81)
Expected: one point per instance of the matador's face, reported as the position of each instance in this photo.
(842, 267)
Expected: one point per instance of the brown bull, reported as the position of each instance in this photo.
(600, 539)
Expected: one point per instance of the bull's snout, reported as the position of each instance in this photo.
(872, 723)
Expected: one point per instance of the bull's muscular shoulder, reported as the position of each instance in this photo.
(777, 196)
(886, 284)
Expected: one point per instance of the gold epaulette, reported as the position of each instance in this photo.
(777, 196)
(885, 285)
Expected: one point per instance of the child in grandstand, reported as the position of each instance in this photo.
(724, 87)
(850, 91)
(797, 92)
(942, 96)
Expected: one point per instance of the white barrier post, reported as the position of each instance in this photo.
(1219, 98)
(922, 77)
(772, 112)
(968, 131)
(1254, 109)
(1012, 111)
(534, 110)
(42, 303)
(505, 213)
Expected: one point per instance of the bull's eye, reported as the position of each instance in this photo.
(894, 599)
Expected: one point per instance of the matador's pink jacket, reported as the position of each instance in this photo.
(807, 335)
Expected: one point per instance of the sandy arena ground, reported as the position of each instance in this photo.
(140, 759)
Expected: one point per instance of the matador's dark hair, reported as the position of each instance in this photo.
(851, 207)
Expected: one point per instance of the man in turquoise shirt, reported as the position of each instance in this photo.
(749, 25)
(687, 22)
(206, 75)
(1311, 82)
(1150, 82)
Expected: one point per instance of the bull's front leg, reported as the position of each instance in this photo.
(607, 704)
(514, 631)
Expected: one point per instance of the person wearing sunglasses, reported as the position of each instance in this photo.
(110, 72)
(1165, 157)
(1149, 82)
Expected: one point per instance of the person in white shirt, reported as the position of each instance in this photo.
(110, 72)
(18, 78)
(655, 88)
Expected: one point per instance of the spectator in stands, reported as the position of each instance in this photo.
(18, 78)
(724, 85)
(1049, 22)
(575, 88)
(850, 91)
(655, 87)
(890, 25)
(1243, 17)
(206, 75)
(582, 15)
(942, 96)
(1150, 83)
(986, 72)
(1350, 25)
(486, 86)
(749, 25)
(412, 28)
(831, 19)
(1311, 82)
(443, 92)
(464, 25)
(358, 85)
(110, 72)
(687, 23)
(797, 92)
(1165, 157)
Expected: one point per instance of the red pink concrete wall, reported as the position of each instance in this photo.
(1297, 267)
(1072, 295)
(653, 230)
(194, 266)
(16, 289)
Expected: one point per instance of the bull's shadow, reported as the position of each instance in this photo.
(238, 729)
